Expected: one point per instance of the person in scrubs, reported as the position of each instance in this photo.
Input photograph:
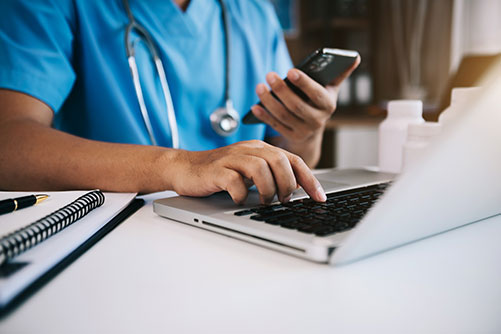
(70, 117)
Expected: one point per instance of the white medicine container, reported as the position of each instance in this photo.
(393, 132)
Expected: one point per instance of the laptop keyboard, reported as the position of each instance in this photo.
(341, 212)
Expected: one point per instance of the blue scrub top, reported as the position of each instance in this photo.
(71, 55)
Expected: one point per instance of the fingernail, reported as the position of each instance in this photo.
(257, 111)
(260, 89)
(271, 78)
(293, 75)
(321, 193)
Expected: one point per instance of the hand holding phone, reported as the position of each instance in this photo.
(323, 66)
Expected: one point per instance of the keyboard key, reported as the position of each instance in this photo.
(358, 212)
(353, 221)
(342, 226)
(306, 229)
(273, 221)
(343, 217)
(331, 222)
(259, 209)
(258, 218)
(300, 225)
(311, 221)
(324, 231)
(294, 203)
(243, 213)
(320, 211)
(282, 215)
(291, 224)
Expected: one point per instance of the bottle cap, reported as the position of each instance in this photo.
(405, 108)
(426, 129)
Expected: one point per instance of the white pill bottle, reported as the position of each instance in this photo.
(419, 137)
(393, 132)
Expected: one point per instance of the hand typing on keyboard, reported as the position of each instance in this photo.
(274, 171)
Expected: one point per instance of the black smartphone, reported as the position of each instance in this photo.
(323, 66)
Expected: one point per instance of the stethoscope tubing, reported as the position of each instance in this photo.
(216, 118)
(133, 25)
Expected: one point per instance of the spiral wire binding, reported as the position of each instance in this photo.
(24, 238)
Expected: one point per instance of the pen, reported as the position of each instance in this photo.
(13, 204)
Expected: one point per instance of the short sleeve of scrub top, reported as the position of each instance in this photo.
(71, 56)
(36, 50)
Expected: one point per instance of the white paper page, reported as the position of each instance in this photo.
(51, 251)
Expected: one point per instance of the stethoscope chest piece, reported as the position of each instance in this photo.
(225, 120)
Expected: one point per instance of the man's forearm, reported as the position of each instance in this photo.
(36, 157)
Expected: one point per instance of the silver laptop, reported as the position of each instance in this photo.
(457, 183)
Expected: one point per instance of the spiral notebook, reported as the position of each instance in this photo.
(25, 237)
(37, 243)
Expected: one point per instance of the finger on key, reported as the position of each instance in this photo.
(258, 170)
(281, 168)
(306, 179)
(233, 182)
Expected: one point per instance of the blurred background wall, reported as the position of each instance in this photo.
(476, 29)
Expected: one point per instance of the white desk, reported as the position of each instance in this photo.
(154, 275)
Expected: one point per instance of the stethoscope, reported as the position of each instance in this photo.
(224, 120)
